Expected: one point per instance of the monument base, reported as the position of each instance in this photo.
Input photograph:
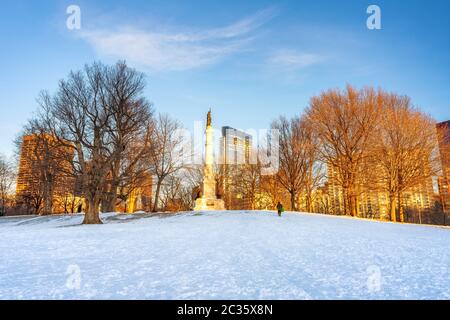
(204, 204)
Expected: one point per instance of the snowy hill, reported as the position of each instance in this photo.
(222, 255)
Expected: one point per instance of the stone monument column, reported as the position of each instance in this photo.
(209, 200)
(209, 180)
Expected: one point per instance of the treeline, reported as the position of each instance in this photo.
(358, 142)
(375, 140)
(97, 140)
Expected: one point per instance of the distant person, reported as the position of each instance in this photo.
(280, 208)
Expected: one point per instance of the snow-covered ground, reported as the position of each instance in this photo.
(222, 255)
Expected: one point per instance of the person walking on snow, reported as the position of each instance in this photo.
(280, 208)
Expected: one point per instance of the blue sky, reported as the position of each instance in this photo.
(249, 60)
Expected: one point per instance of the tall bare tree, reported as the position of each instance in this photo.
(247, 181)
(314, 171)
(166, 148)
(344, 122)
(97, 112)
(131, 170)
(405, 148)
(293, 148)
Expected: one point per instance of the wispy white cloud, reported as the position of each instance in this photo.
(294, 59)
(166, 51)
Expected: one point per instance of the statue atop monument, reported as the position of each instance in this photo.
(209, 200)
(208, 119)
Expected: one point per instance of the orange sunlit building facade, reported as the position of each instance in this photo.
(44, 169)
(444, 148)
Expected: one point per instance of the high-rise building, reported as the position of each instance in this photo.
(44, 168)
(235, 151)
(27, 176)
(235, 146)
(443, 129)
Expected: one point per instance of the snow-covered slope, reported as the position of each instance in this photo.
(222, 255)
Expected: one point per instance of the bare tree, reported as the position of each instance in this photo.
(176, 193)
(314, 168)
(69, 202)
(405, 148)
(97, 113)
(293, 156)
(134, 176)
(131, 170)
(7, 178)
(166, 152)
(272, 191)
(344, 122)
(247, 180)
(249, 186)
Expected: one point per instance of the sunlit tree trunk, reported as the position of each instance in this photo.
(48, 201)
(157, 192)
(392, 210)
(293, 202)
(400, 207)
(92, 215)
(309, 207)
(358, 213)
(353, 205)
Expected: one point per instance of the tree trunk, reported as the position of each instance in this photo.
(350, 207)
(392, 208)
(309, 203)
(86, 205)
(402, 214)
(47, 210)
(357, 212)
(293, 206)
(109, 201)
(346, 198)
(158, 189)
(400, 207)
(353, 205)
(92, 215)
(47, 197)
(110, 193)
